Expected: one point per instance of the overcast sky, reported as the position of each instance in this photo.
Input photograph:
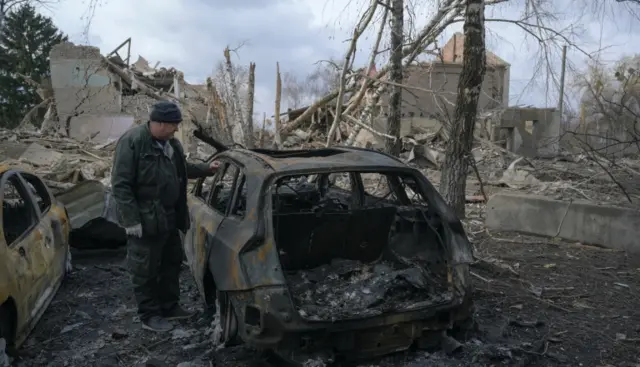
(190, 35)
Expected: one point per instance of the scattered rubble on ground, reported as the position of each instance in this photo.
(564, 305)
(60, 161)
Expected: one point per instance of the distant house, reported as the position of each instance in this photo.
(438, 81)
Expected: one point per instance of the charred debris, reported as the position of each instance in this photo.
(345, 262)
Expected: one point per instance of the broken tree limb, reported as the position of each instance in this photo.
(249, 139)
(348, 59)
(276, 117)
(369, 128)
(262, 131)
(343, 76)
(363, 89)
(309, 111)
(237, 110)
(444, 17)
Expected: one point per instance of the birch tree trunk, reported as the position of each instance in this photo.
(394, 147)
(235, 99)
(458, 152)
(248, 134)
(276, 117)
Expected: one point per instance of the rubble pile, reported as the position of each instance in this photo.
(600, 180)
(62, 162)
(418, 143)
(348, 289)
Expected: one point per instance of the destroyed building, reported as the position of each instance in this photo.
(99, 98)
(526, 131)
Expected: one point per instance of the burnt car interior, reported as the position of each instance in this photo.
(351, 251)
(18, 213)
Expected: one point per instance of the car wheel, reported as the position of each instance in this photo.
(228, 321)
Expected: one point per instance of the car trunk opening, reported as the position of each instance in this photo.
(356, 245)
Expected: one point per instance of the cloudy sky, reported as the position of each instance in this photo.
(191, 35)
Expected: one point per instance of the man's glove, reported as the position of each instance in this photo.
(135, 231)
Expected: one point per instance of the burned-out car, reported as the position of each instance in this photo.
(343, 250)
(34, 252)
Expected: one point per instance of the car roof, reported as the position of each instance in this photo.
(268, 162)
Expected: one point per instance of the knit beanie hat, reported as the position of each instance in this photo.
(165, 111)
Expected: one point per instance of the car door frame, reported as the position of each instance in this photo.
(23, 249)
(224, 252)
(52, 226)
(202, 230)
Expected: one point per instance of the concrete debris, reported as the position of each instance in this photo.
(61, 162)
(426, 157)
(518, 178)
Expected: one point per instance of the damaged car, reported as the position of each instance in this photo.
(343, 251)
(34, 252)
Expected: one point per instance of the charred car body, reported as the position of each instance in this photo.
(34, 252)
(301, 254)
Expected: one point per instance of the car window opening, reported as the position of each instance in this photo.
(356, 245)
(18, 214)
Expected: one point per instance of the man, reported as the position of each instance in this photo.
(149, 183)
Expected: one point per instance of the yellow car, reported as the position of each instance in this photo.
(34, 252)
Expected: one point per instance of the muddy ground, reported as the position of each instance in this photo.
(553, 304)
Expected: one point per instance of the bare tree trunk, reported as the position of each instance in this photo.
(237, 110)
(369, 112)
(248, 136)
(367, 115)
(262, 131)
(348, 62)
(276, 118)
(458, 152)
(394, 147)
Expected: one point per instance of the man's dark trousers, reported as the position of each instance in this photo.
(154, 263)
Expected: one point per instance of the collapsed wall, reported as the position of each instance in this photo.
(99, 98)
(88, 96)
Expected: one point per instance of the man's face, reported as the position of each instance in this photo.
(164, 130)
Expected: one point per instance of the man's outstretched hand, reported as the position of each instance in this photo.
(214, 166)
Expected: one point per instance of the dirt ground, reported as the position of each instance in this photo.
(550, 304)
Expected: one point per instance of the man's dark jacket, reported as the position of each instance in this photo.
(137, 188)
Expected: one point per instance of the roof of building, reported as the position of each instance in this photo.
(454, 48)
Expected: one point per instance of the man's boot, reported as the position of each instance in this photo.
(177, 313)
(157, 323)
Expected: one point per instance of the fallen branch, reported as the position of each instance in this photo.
(349, 56)
(369, 128)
